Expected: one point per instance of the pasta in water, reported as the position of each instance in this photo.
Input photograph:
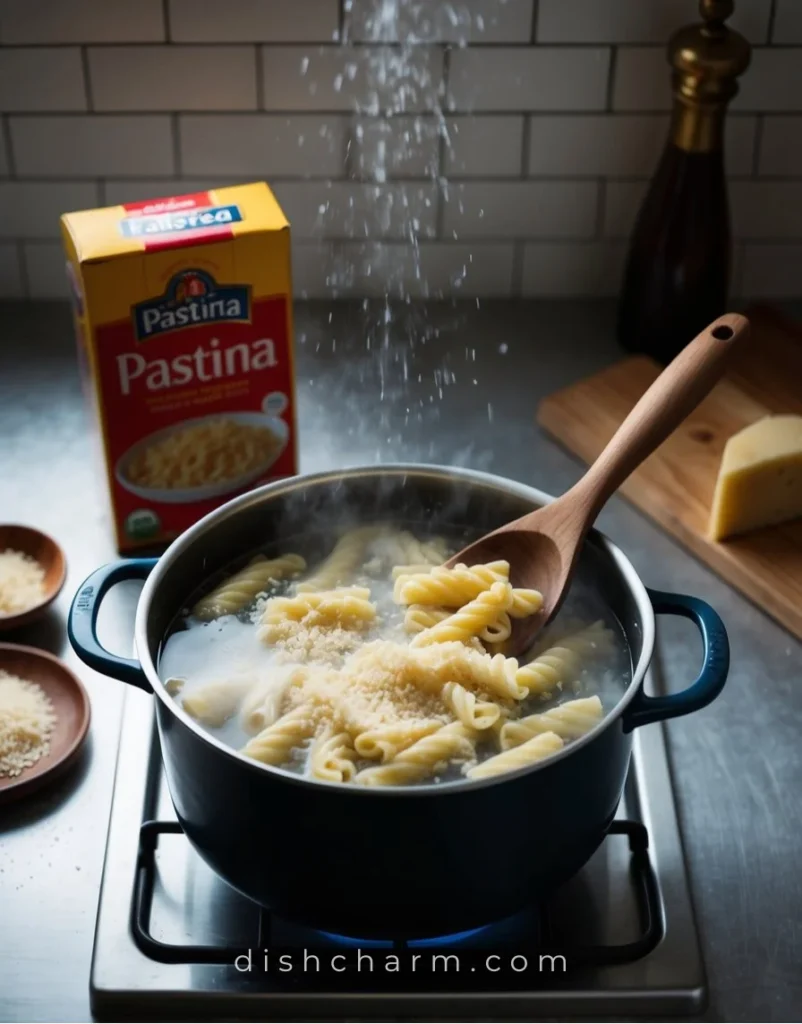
(380, 667)
(200, 454)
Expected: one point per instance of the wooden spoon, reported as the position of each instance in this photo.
(543, 546)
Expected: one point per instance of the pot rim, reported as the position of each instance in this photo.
(490, 480)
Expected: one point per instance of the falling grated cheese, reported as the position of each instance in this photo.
(22, 582)
(27, 719)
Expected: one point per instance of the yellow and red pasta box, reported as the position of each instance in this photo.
(183, 309)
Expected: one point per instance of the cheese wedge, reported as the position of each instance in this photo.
(760, 479)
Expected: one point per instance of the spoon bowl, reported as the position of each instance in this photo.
(542, 547)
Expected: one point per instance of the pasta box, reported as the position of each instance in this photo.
(183, 310)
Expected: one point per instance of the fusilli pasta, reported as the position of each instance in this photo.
(533, 750)
(238, 590)
(569, 721)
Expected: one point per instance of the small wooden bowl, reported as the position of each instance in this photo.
(71, 705)
(49, 555)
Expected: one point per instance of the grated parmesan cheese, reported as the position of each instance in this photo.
(22, 582)
(27, 719)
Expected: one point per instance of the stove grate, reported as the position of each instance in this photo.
(641, 871)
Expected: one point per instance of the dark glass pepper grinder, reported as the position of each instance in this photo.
(678, 266)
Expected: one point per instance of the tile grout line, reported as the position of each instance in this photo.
(23, 270)
(5, 128)
(88, 92)
(526, 143)
(772, 20)
(611, 73)
(758, 145)
(175, 137)
(601, 205)
(166, 18)
(517, 282)
(260, 77)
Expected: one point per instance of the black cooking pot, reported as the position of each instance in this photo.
(409, 860)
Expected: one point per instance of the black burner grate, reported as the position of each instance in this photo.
(549, 942)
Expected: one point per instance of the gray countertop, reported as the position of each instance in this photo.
(458, 386)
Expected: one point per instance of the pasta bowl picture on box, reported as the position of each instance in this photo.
(203, 458)
(318, 675)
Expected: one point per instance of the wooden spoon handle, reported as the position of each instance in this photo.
(672, 397)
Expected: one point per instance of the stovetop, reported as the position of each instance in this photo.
(172, 939)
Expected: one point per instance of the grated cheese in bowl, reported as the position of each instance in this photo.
(22, 582)
(27, 719)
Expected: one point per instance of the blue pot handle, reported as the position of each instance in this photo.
(715, 664)
(82, 621)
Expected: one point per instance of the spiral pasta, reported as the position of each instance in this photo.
(473, 713)
(343, 561)
(275, 744)
(560, 664)
(419, 617)
(493, 674)
(214, 703)
(348, 607)
(569, 721)
(262, 703)
(536, 749)
(389, 740)
(332, 758)
(348, 704)
(525, 603)
(474, 617)
(234, 593)
(450, 742)
(450, 587)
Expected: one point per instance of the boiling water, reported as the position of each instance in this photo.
(200, 653)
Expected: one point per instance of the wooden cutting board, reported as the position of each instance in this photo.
(675, 485)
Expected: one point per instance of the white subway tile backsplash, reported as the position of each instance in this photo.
(345, 209)
(597, 144)
(520, 209)
(81, 21)
(484, 146)
(41, 78)
(10, 272)
(173, 77)
(45, 270)
(620, 145)
(622, 200)
(787, 22)
(254, 21)
(92, 146)
(637, 21)
(138, 190)
(642, 79)
(440, 21)
(772, 271)
(528, 78)
(263, 145)
(573, 269)
(766, 209)
(31, 209)
(378, 269)
(781, 147)
(772, 82)
(394, 147)
(472, 162)
(362, 79)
